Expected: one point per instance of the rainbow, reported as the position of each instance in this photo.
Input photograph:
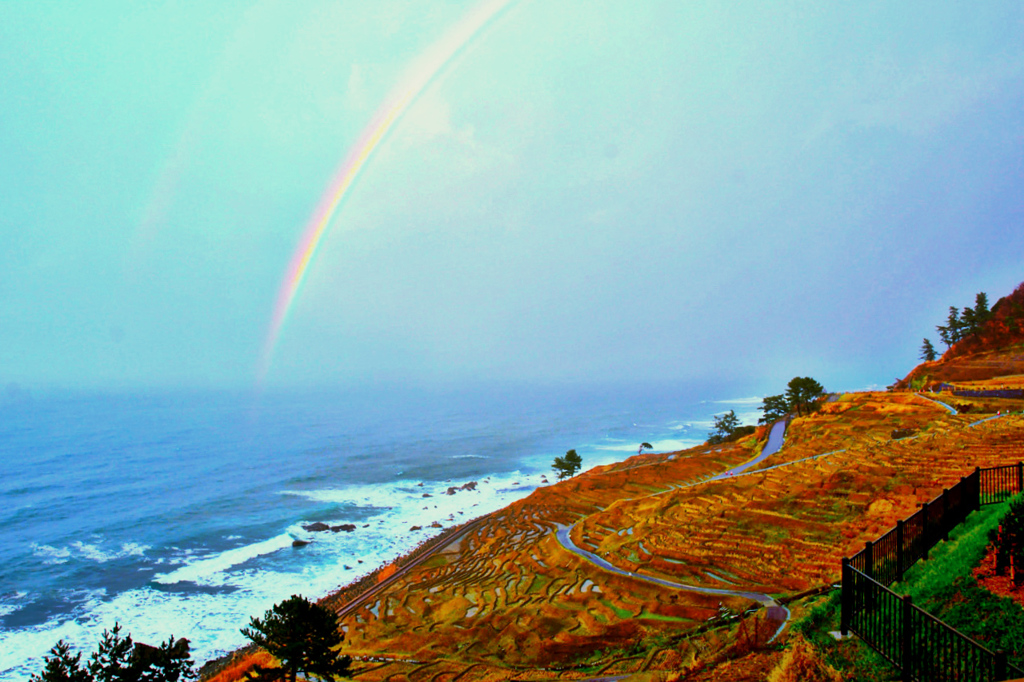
(422, 72)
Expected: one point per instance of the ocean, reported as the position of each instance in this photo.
(175, 512)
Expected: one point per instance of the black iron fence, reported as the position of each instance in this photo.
(1001, 483)
(920, 645)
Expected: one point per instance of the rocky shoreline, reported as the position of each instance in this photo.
(346, 593)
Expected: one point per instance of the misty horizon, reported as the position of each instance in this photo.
(573, 196)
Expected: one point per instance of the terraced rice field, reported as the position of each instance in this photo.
(508, 596)
(978, 366)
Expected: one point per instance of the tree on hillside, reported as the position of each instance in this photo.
(303, 636)
(928, 353)
(775, 407)
(952, 331)
(959, 325)
(981, 311)
(725, 426)
(801, 392)
(62, 666)
(567, 466)
(968, 325)
(973, 319)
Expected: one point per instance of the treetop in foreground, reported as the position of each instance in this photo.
(302, 635)
(119, 659)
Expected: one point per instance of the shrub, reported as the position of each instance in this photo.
(801, 663)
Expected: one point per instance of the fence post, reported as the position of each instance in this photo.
(1001, 664)
(900, 568)
(945, 514)
(959, 513)
(925, 535)
(869, 559)
(846, 599)
(977, 488)
(906, 638)
(1020, 477)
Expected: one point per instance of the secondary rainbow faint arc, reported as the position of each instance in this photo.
(419, 76)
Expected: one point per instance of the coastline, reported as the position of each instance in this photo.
(205, 582)
(354, 593)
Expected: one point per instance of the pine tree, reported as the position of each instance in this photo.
(928, 353)
(968, 323)
(981, 312)
(950, 332)
(118, 659)
(567, 466)
(775, 407)
(725, 426)
(801, 392)
(62, 666)
(170, 662)
(303, 636)
(111, 662)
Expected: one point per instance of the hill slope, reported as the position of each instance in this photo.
(996, 350)
(507, 600)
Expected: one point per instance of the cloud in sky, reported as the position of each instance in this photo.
(591, 191)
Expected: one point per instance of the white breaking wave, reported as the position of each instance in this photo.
(95, 553)
(51, 555)
(90, 552)
(198, 571)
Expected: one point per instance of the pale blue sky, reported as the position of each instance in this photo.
(592, 191)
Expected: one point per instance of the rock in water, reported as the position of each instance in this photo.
(316, 527)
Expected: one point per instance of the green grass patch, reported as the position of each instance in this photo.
(944, 587)
(620, 612)
(436, 561)
(855, 659)
(929, 582)
(538, 585)
(659, 616)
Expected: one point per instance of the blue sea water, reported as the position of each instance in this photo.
(175, 512)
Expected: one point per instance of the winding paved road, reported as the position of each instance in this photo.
(952, 410)
(775, 440)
